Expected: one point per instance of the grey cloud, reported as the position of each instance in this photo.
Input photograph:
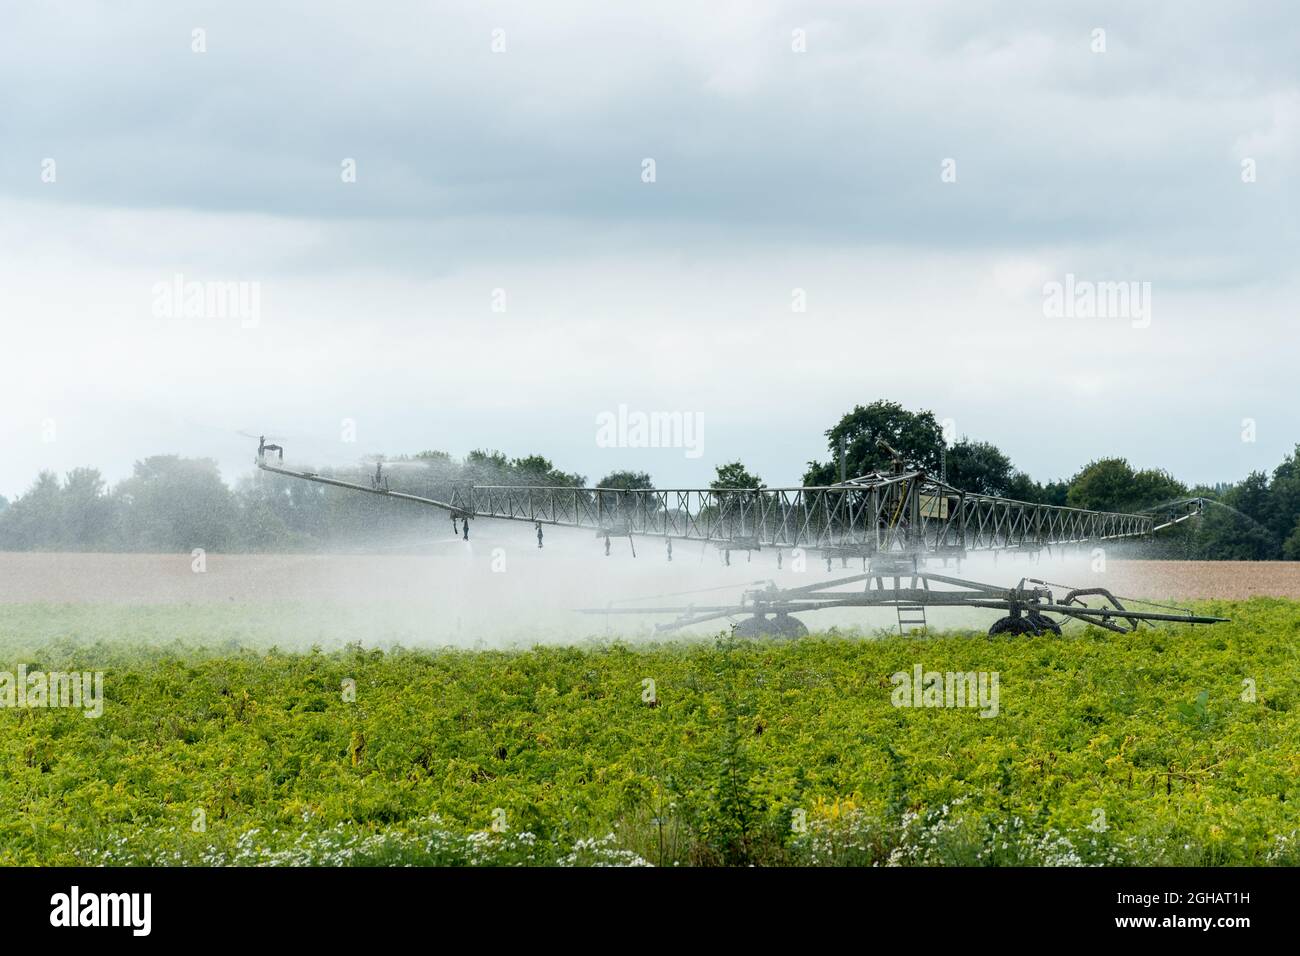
(841, 144)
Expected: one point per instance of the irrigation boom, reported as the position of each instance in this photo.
(894, 522)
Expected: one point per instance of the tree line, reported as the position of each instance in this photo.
(171, 504)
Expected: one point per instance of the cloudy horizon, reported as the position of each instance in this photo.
(447, 221)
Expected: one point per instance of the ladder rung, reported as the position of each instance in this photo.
(910, 616)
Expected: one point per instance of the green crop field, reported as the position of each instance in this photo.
(1170, 746)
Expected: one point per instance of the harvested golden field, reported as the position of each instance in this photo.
(1205, 580)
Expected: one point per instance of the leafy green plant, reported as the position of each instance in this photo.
(1197, 713)
(757, 752)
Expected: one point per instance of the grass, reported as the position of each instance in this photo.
(1170, 746)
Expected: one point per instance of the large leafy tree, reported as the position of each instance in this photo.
(177, 504)
(1226, 534)
(1023, 488)
(627, 481)
(1052, 493)
(86, 512)
(979, 467)
(1111, 484)
(1291, 547)
(279, 513)
(915, 435)
(1250, 498)
(432, 457)
(32, 522)
(1237, 528)
(1283, 504)
(735, 475)
(493, 467)
(536, 469)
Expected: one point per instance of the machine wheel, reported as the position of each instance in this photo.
(755, 626)
(1031, 623)
(1041, 623)
(789, 626)
(782, 625)
(1011, 625)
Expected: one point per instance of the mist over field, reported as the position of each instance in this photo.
(500, 590)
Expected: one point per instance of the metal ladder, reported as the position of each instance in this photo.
(910, 615)
(915, 617)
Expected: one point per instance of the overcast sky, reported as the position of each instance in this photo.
(521, 169)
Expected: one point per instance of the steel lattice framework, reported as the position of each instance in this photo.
(893, 521)
(907, 513)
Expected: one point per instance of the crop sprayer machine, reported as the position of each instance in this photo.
(896, 523)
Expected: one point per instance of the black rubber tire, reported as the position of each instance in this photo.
(756, 626)
(1011, 625)
(789, 626)
(1042, 623)
(781, 625)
